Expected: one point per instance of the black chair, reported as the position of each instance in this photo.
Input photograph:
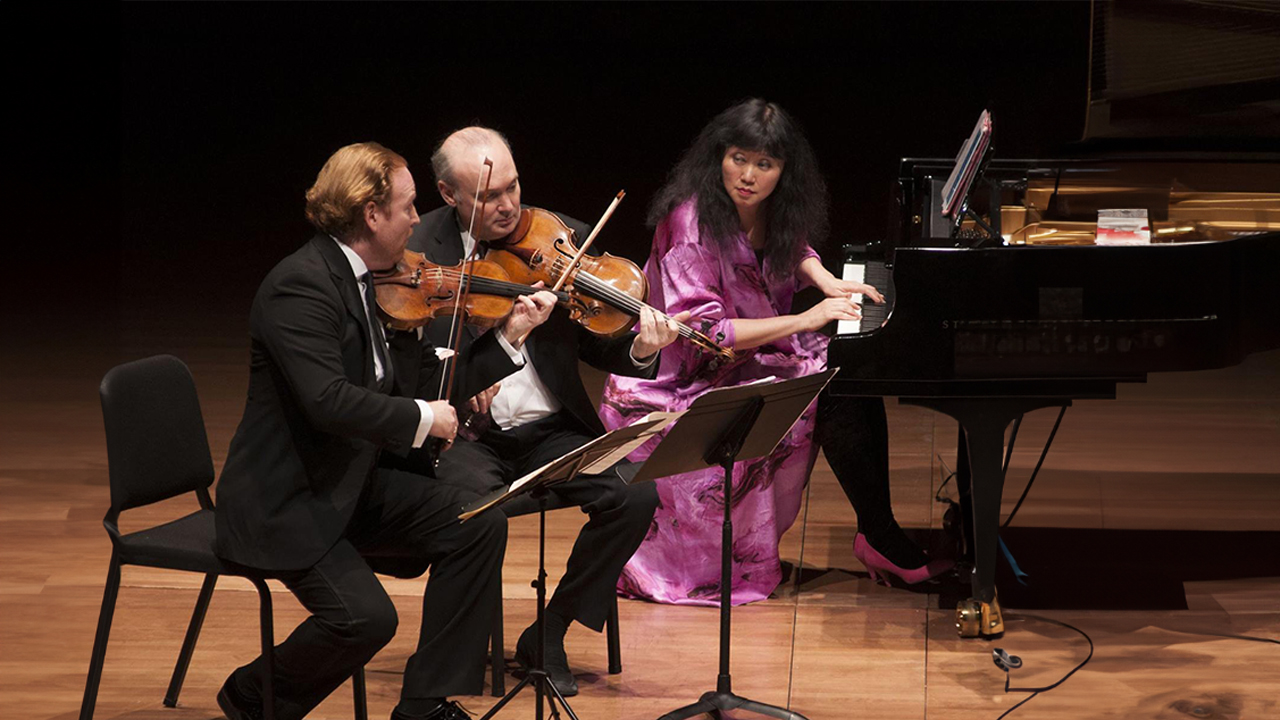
(157, 449)
(498, 663)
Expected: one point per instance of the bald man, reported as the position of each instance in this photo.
(542, 411)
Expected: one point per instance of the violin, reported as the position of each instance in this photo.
(607, 292)
(416, 291)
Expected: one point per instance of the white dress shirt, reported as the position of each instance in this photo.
(426, 416)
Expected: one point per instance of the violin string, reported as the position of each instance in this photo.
(592, 285)
(484, 283)
(609, 293)
(605, 291)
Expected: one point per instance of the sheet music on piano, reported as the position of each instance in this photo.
(967, 162)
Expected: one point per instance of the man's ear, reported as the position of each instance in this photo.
(371, 216)
(446, 192)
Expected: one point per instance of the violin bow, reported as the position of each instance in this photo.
(590, 239)
(697, 337)
(464, 290)
(582, 250)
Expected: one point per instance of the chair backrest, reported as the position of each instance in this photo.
(156, 442)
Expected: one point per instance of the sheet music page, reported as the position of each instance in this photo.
(636, 433)
(661, 420)
(521, 481)
(966, 164)
(493, 498)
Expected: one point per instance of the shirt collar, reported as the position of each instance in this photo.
(357, 265)
(468, 244)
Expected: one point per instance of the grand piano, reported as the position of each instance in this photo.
(1013, 305)
(1046, 316)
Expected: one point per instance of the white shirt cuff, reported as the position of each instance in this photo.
(641, 363)
(426, 417)
(516, 356)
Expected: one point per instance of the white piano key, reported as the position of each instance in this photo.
(857, 272)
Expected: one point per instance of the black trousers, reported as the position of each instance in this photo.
(620, 513)
(405, 516)
(854, 435)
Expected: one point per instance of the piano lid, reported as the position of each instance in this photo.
(1186, 71)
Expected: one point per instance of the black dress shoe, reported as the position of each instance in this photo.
(236, 706)
(448, 710)
(554, 658)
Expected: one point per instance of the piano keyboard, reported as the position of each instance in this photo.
(877, 275)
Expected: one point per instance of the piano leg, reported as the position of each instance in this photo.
(983, 421)
(964, 488)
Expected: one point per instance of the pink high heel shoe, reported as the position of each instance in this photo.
(880, 568)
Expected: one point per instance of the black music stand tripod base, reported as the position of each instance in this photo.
(716, 703)
(728, 418)
(562, 470)
(537, 676)
(722, 699)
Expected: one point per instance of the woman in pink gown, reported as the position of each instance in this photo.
(734, 229)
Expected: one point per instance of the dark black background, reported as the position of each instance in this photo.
(227, 111)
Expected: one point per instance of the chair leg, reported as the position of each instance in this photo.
(99, 654)
(361, 697)
(189, 643)
(615, 643)
(268, 648)
(497, 663)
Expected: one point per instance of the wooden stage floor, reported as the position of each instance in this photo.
(1153, 528)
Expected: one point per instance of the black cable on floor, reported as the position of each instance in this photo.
(1008, 450)
(1036, 471)
(1036, 691)
(937, 496)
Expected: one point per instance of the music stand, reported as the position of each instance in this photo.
(590, 456)
(721, 427)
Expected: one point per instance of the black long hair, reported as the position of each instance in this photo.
(796, 210)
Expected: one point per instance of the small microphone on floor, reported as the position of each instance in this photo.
(1004, 660)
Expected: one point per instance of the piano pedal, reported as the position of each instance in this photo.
(975, 618)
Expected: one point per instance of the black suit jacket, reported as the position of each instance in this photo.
(314, 421)
(556, 345)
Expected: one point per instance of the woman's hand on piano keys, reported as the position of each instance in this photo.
(835, 288)
(833, 308)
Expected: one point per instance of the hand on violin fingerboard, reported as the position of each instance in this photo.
(656, 332)
(528, 312)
